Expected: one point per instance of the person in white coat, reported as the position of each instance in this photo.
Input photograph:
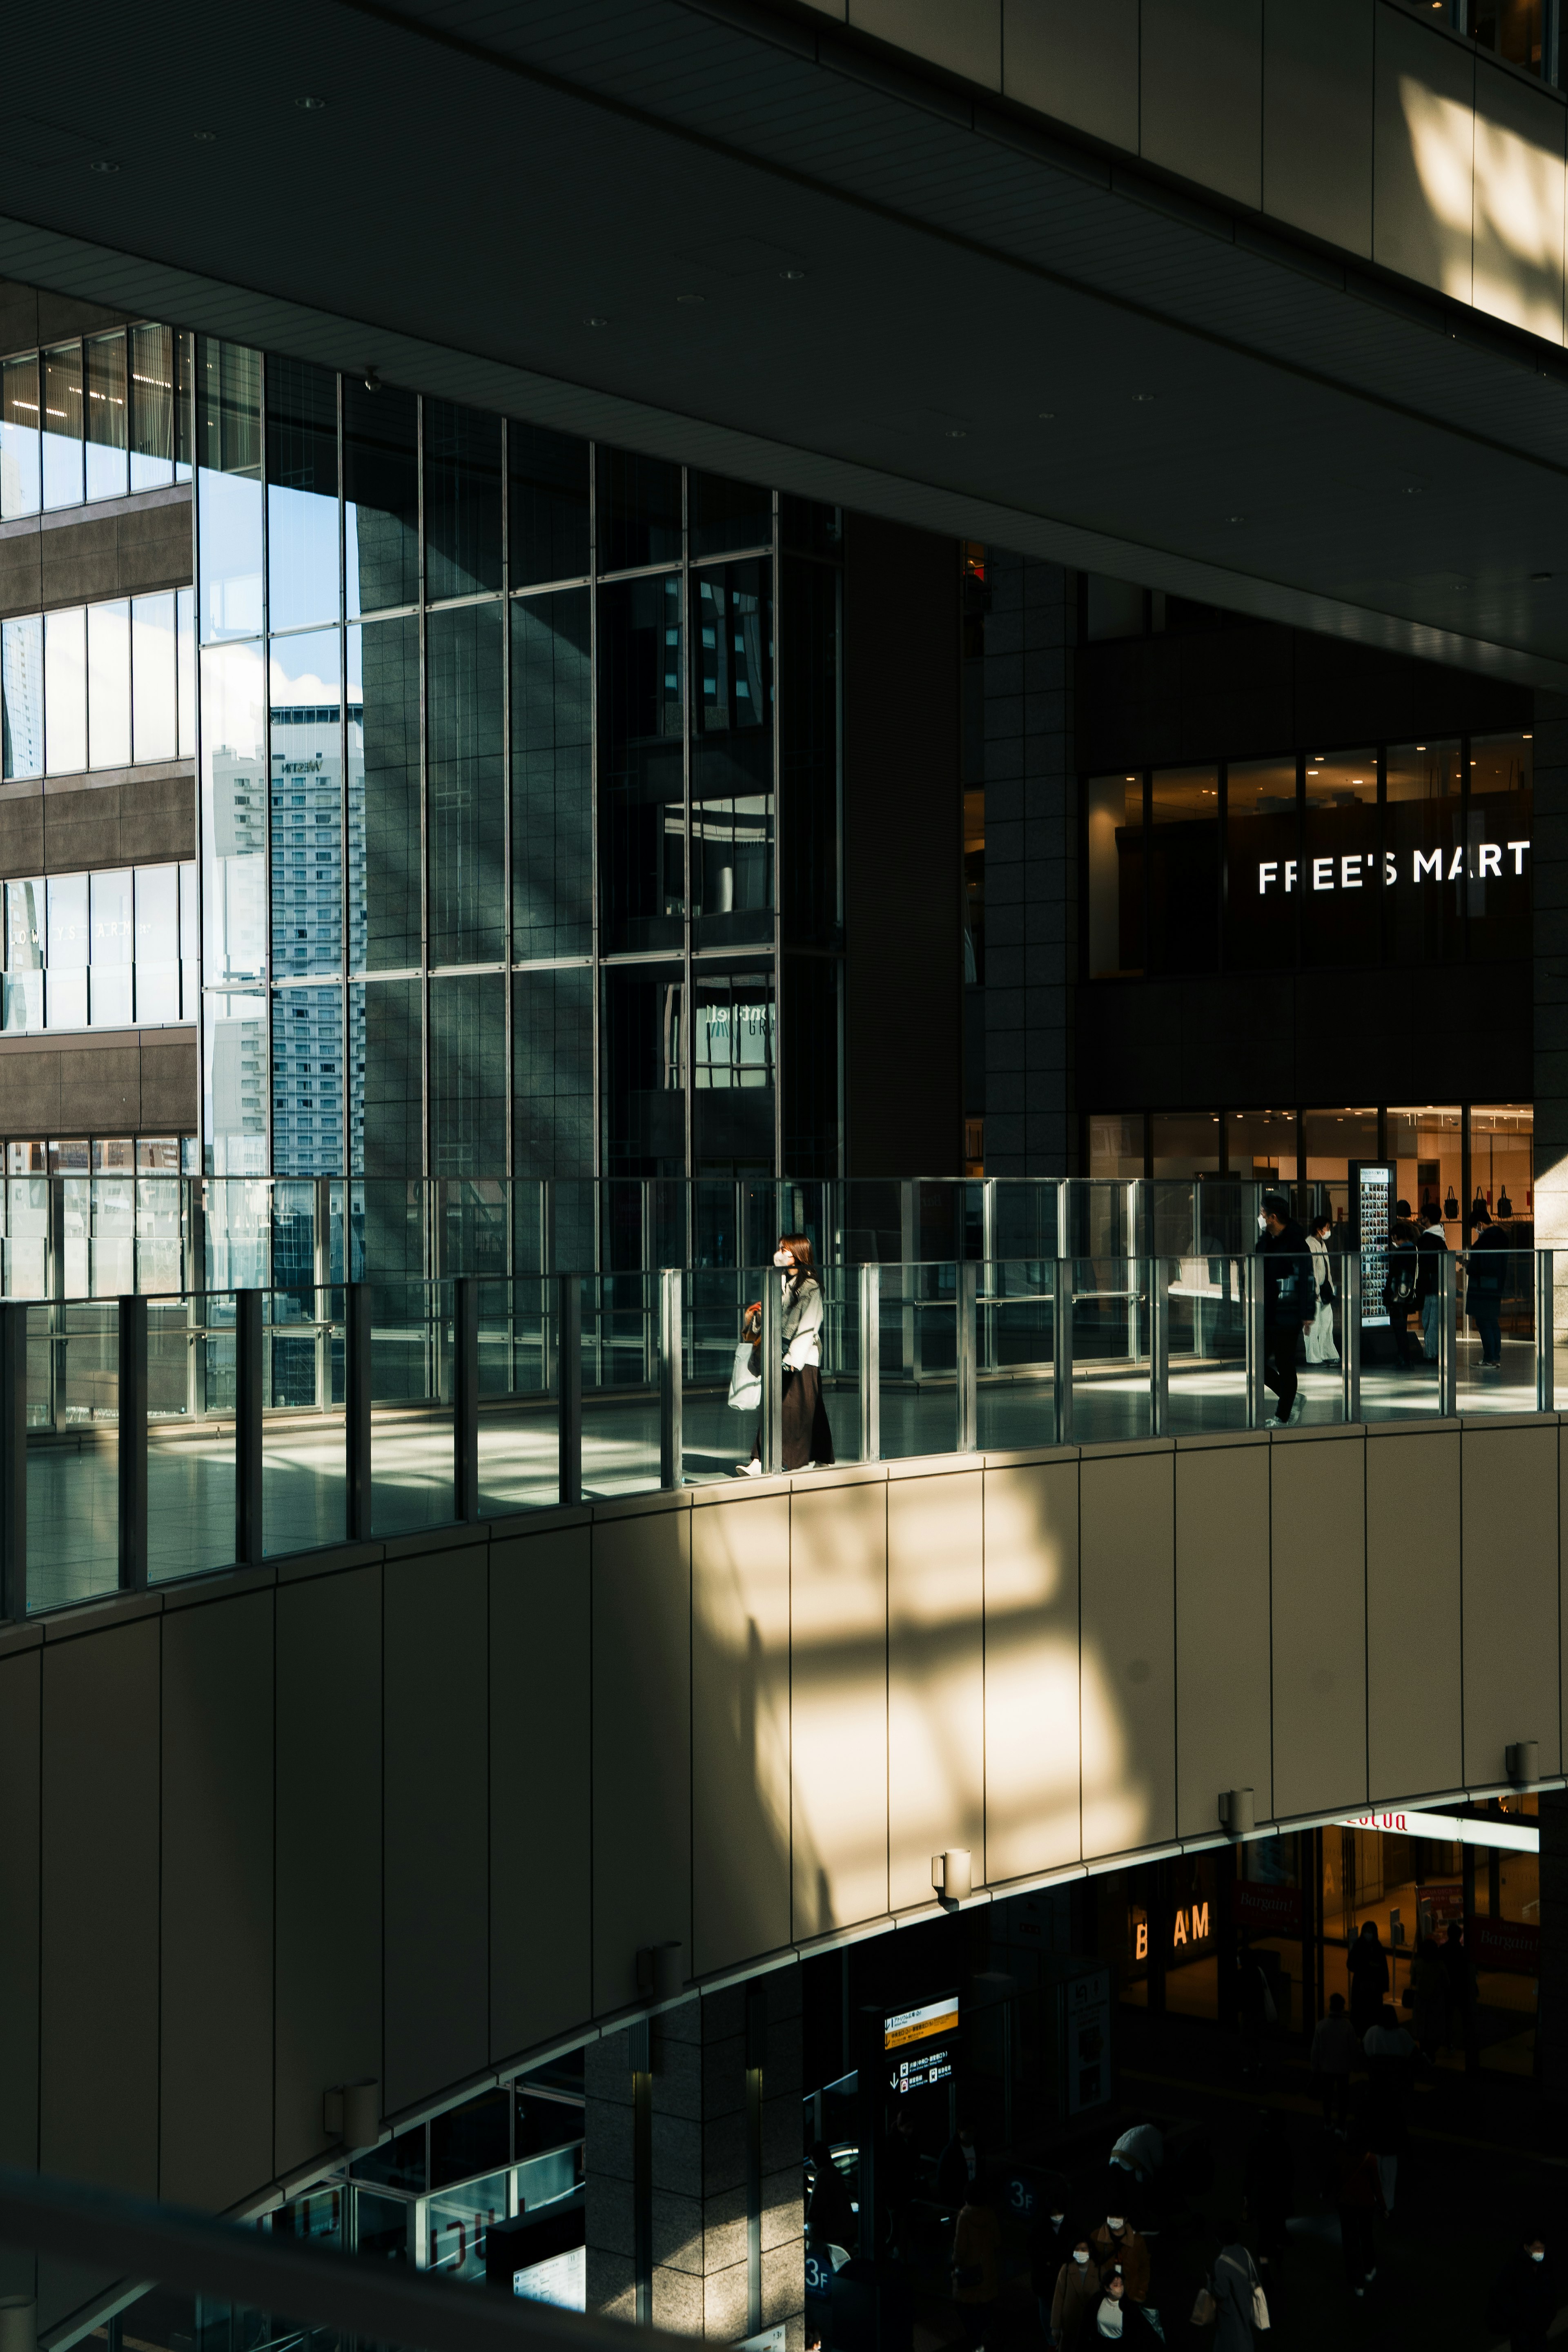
(1320, 1347)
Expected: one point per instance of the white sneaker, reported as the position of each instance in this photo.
(753, 1469)
(1297, 1411)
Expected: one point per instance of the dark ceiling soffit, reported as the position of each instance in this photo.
(71, 266)
(859, 57)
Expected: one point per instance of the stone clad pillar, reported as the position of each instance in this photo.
(692, 2160)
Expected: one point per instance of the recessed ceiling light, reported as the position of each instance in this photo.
(103, 165)
(596, 322)
(957, 433)
(692, 298)
(1048, 415)
(1142, 395)
(791, 276)
(310, 105)
(1236, 518)
(204, 135)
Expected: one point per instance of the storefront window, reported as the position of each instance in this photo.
(1340, 891)
(1185, 1143)
(1427, 1146)
(1263, 868)
(1501, 1164)
(1260, 1146)
(1497, 845)
(1330, 1140)
(1115, 876)
(1116, 1145)
(1182, 868)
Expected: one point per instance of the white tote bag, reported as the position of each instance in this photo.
(745, 1386)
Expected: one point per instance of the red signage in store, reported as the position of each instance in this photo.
(1505, 1944)
(1261, 1910)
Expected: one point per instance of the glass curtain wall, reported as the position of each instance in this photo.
(520, 791)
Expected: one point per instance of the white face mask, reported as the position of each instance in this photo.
(1057, 2220)
(1540, 2257)
(780, 1260)
(1113, 2223)
(1080, 2255)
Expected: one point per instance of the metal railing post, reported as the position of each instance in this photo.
(1252, 1311)
(1545, 1335)
(569, 1386)
(466, 1397)
(356, 1408)
(1448, 1334)
(1349, 1336)
(966, 1431)
(248, 1358)
(132, 1443)
(772, 1375)
(14, 1460)
(671, 1450)
(321, 1275)
(870, 1363)
(1061, 1349)
(1158, 1351)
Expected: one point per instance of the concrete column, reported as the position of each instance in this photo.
(1551, 2028)
(714, 2223)
(1031, 868)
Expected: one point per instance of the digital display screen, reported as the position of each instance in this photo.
(918, 2044)
(1373, 1182)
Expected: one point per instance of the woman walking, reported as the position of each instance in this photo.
(807, 1437)
(1320, 1347)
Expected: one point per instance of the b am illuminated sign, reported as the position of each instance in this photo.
(1189, 1925)
(918, 2044)
(1481, 861)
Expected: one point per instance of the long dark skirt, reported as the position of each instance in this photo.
(805, 1433)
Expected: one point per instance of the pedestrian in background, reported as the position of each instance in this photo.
(1320, 1347)
(1069, 2317)
(1289, 1301)
(1333, 2054)
(1526, 2295)
(1368, 1965)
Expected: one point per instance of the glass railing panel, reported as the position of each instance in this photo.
(73, 1465)
(1016, 1339)
(160, 1262)
(919, 1359)
(840, 1371)
(1398, 1378)
(519, 1424)
(1205, 1296)
(304, 1473)
(716, 1431)
(190, 1455)
(1111, 1341)
(1497, 1331)
(411, 1415)
(620, 1384)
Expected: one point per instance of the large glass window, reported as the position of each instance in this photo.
(157, 945)
(1185, 1143)
(642, 1064)
(112, 904)
(70, 948)
(233, 817)
(811, 1016)
(22, 696)
(152, 356)
(154, 675)
(1502, 1174)
(235, 1084)
(732, 1071)
(386, 1100)
(551, 775)
(468, 1075)
(462, 501)
(25, 934)
(638, 510)
(1115, 1144)
(65, 691)
(642, 827)
(1115, 806)
(20, 437)
(1263, 867)
(553, 1073)
(108, 422)
(726, 514)
(301, 494)
(381, 497)
(732, 755)
(229, 488)
(305, 696)
(1183, 869)
(1498, 846)
(1427, 1144)
(466, 691)
(1330, 1140)
(62, 426)
(547, 505)
(1260, 1145)
(109, 685)
(308, 1092)
(384, 798)
(1341, 888)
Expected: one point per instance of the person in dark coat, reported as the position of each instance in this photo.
(1051, 2244)
(829, 2214)
(957, 2167)
(1358, 2193)
(1526, 2296)
(1402, 1289)
(1485, 1273)
(1432, 1243)
(1289, 1300)
(1368, 1965)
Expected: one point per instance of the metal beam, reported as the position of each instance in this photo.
(132, 1448)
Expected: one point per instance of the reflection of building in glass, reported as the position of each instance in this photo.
(306, 850)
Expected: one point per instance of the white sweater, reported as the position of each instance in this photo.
(802, 1324)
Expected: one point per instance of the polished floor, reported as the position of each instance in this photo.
(72, 1497)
